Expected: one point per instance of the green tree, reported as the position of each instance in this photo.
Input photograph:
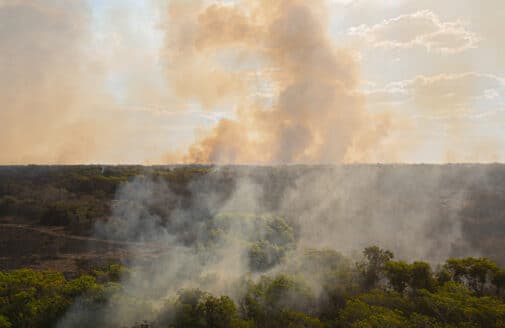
(421, 276)
(499, 281)
(32, 299)
(263, 255)
(197, 309)
(292, 319)
(475, 272)
(372, 268)
(219, 312)
(455, 304)
(188, 310)
(269, 301)
(358, 314)
(4, 322)
(399, 274)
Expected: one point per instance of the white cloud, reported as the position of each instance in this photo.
(442, 95)
(420, 29)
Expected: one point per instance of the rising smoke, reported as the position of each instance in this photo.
(48, 83)
(78, 85)
(316, 114)
(203, 235)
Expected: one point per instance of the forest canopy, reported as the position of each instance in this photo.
(376, 291)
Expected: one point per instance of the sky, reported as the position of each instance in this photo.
(251, 82)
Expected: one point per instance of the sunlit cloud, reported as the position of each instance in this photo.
(420, 29)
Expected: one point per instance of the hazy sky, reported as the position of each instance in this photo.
(280, 81)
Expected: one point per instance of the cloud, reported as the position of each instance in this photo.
(453, 115)
(444, 93)
(420, 29)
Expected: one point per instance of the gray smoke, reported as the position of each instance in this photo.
(199, 234)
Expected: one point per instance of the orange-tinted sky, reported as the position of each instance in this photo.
(262, 82)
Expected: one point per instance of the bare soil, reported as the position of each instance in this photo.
(24, 245)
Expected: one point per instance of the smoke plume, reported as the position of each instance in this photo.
(44, 84)
(236, 223)
(316, 113)
(56, 101)
(256, 82)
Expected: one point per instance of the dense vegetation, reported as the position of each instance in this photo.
(76, 197)
(375, 291)
(283, 282)
(39, 298)
(73, 197)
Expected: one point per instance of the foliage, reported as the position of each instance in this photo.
(358, 314)
(410, 295)
(269, 237)
(398, 274)
(373, 265)
(401, 275)
(197, 309)
(275, 302)
(38, 298)
(475, 272)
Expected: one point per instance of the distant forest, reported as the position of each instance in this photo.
(76, 197)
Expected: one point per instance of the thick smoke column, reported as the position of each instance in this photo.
(49, 84)
(56, 100)
(315, 113)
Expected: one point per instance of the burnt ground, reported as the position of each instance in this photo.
(25, 245)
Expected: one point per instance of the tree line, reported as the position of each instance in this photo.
(375, 291)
